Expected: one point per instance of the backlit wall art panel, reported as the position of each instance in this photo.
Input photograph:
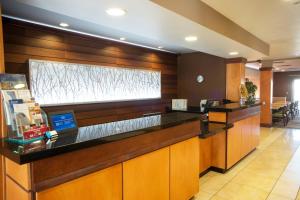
(68, 83)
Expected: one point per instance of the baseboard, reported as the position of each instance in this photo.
(266, 125)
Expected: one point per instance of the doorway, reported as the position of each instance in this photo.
(296, 90)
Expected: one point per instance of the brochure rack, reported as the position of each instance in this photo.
(26, 122)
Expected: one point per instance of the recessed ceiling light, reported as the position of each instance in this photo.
(234, 53)
(160, 47)
(191, 38)
(63, 24)
(122, 38)
(117, 12)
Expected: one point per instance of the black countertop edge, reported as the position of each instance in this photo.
(7, 151)
(211, 132)
(232, 107)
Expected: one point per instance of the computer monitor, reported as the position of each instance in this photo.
(63, 121)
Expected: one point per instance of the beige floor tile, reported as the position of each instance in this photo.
(277, 197)
(291, 176)
(204, 178)
(268, 173)
(233, 191)
(298, 197)
(202, 196)
(286, 188)
(214, 184)
(255, 181)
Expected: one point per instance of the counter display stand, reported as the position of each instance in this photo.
(26, 122)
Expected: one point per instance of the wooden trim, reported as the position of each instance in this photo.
(217, 117)
(236, 60)
(2, 121)
(242, 114)
(266, 69)
(92, 159)
(265, 125)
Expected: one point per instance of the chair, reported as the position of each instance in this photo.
(297, 108)
(282, 115)
(291, 110)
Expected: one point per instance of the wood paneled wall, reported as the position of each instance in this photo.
(24, 41)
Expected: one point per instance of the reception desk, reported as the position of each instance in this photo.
(225, 148)
(154, 157)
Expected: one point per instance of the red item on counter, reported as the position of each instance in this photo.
(35, 132)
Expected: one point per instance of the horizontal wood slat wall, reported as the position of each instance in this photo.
(24, 41)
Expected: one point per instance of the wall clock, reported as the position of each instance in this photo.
(200, 78)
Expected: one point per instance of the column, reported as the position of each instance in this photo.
(266, 93)
(235, 75)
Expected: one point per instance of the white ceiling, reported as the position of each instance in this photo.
(145, 23)
(276, 22)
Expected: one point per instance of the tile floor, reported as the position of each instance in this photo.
(272, 172)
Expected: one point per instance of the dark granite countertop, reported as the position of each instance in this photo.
(214, 128)
(232, 107)
(207, 128)
(93, 135)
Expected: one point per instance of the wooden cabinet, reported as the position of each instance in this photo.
(234, 141)
(14, 191)
(147, 177)
(242, 139)
(213, 152)
(205, 146)
(105, 185)
(184, 169)
(255, 128)
(218, 150)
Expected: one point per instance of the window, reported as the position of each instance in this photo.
(296, 91)
(68, 83)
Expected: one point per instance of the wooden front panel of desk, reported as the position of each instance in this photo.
(213, 152)
(184, 169)
(147, 177)
(105, 185)
(149, 168)
(242, 139)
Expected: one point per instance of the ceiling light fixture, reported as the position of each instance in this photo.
(191, 38)
(234, 53)
(19, 86)
(117, 12)
(63, 24)
(122, 38)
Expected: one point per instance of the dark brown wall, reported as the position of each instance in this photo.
(213, 69)
(24, 41)
(283, 84)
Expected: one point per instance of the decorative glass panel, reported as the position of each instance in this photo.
(68, 83)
